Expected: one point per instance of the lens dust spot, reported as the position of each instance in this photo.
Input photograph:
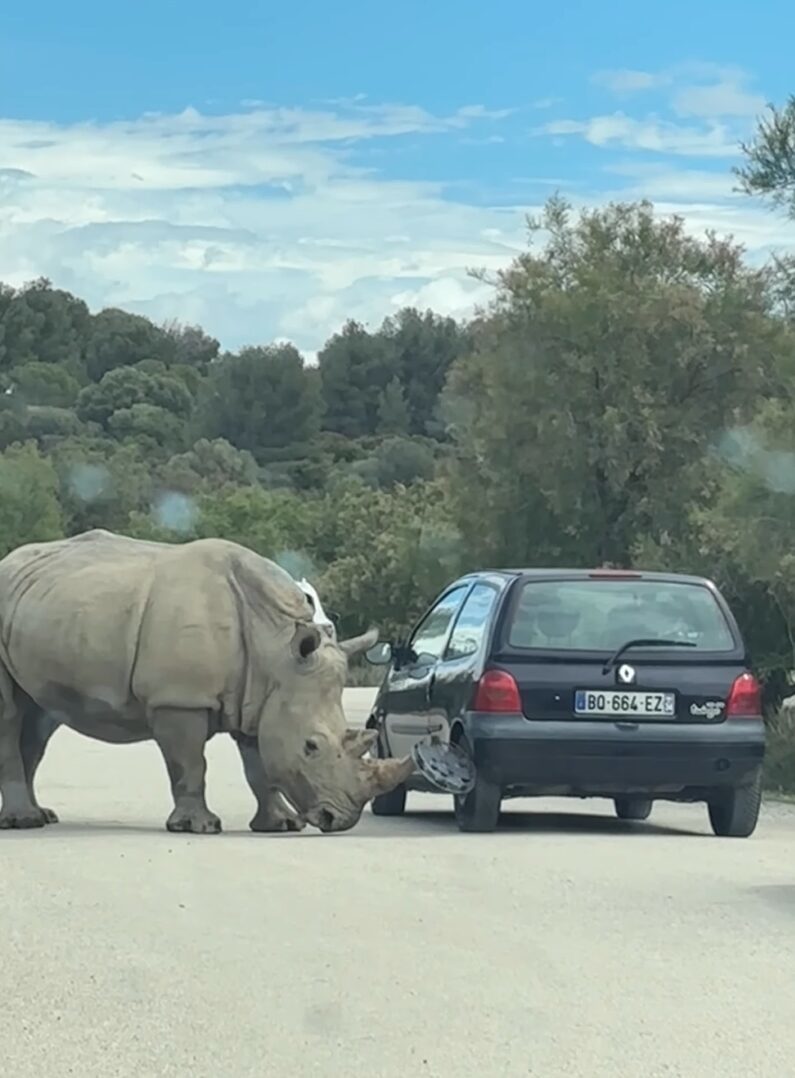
(295, 562)
(89, 481)
(176, 512)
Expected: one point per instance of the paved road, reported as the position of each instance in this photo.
(565, 944)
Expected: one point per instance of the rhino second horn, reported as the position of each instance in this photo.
(358, 742)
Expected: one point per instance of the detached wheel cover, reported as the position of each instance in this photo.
(447, 767)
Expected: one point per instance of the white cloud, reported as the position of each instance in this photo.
(259, 225)
(661, 136)
(706, 90)
(712, 98)
(718, 99)
(255, 224)
(626, 80)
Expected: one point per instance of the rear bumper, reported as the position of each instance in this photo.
(526, 757)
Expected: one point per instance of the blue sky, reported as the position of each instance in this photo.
(269, 170)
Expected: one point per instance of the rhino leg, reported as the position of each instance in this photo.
(18, 807)
(181, 736)
(37, 729)
(271, 814)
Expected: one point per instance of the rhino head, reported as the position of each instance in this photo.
(307, 749)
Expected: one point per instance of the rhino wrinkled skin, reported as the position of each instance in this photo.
(125, 640)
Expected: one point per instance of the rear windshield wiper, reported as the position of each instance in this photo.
(641, 643)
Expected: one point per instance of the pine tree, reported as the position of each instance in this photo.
(393, 412)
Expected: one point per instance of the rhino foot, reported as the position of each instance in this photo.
(197, 821)
(271, 821)
(18, 821)
(50, 816)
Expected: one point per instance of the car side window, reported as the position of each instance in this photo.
(430, 636)
(472, 622)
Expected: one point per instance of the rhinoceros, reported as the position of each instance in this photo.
(126, 640)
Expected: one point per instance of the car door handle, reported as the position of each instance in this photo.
(429, 684)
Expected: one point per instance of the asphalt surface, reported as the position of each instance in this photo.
(565, 944)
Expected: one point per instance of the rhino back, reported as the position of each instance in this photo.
(109, 627)
(69, 617)
(220, 619)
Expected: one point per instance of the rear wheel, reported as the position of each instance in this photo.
(633, 808)
(479, 810)
(734, 813)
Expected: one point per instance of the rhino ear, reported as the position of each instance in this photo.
(306, 640)
(357, 644)
(357, 742)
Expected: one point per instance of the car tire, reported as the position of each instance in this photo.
(393, 803)
(479, 810)
(633, 808)
(734, 813)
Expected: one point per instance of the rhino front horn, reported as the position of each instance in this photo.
(357, 644)
(387, 774)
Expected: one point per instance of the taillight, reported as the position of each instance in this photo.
(497, 691)
(745, 698)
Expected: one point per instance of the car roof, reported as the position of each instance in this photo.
(535, 573)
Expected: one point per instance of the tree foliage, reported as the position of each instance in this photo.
(769, 168)
(260, 400)
(627, 396)
(610, 361)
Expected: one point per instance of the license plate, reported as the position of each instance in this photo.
(647, 705)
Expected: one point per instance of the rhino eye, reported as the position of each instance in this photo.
(311, 747)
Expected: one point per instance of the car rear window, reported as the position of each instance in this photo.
(601, 615)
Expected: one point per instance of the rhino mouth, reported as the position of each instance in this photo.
(328, 820)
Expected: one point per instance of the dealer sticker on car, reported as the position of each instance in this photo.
(646, 704)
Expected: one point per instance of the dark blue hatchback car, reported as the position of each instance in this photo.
(633, 686)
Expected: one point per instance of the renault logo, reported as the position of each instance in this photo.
(626, 674)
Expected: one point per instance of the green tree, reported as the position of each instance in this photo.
(393, 412)
(43, 325)
(119, 339)
(29, 498)
(387, 553)
(270, 522)
(210, 465)
(742, 536)
(355, 370)
(132, 402)
(49, 424)
(769, 168)
(422, 347)
(260, 400)
(395, 462)
(101, 483)
(45, 383)
(191, 346)
(608, 364)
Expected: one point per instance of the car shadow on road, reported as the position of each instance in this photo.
(778, 896)
(523, 823)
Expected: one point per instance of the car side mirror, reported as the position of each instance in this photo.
(379, 654)
(419, 665)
